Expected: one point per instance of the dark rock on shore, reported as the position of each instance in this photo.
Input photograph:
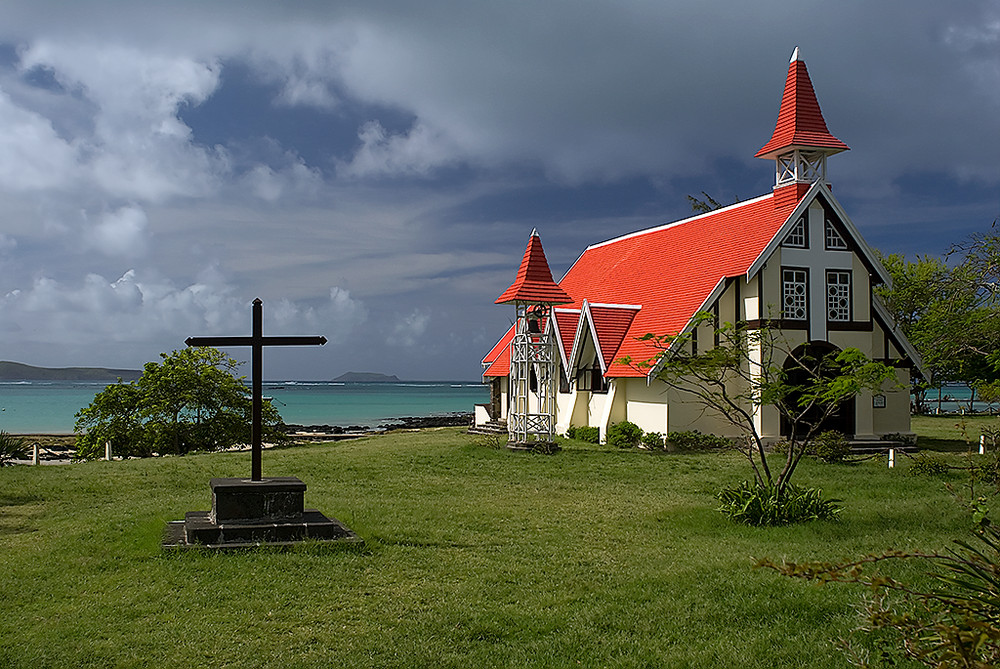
(462, 419)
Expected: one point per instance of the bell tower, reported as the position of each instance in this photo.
(534, 359)
(801, 141)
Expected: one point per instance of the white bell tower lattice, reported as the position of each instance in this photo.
(534, 358)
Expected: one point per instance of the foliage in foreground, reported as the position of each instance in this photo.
(12, 447)
(191, 401)
(954, 624)
(751, 504)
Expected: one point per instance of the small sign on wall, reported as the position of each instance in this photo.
(878, 401)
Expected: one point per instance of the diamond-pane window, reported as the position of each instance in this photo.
(797, 237)
(838, 295)
(794, 294)
(833, 239)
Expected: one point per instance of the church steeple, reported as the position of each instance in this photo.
(801, 141)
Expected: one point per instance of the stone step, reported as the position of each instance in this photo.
(492, 427)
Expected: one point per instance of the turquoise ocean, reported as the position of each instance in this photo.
(48, 407)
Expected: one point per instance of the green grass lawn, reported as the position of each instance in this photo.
(474, 557)
(952, 432)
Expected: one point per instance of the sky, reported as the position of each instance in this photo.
(373, 170)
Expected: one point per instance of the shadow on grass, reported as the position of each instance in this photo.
(16, 523)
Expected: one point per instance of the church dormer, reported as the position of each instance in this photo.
(801, 141)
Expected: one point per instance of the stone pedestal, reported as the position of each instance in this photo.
(247, 513)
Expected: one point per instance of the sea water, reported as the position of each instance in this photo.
(28, 407)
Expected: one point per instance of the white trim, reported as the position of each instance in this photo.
(649, 231)
(554, 325)
(888, 321)
(715, 294)
(593, 333)
(633, 307)
(821, 186)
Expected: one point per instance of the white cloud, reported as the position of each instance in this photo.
(7, 244)
(409, 329)
(32, 155)
(120, 233)
(417, 152)
(138, 147)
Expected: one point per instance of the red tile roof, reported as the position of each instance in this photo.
(566, 321)
(668, 271)
(612, 324)
(671, 271)
(534, 284)
(800, 121)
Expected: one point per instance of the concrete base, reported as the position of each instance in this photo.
(251, 513)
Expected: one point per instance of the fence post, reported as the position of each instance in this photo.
(982, 444)
(107, 450)
(34, 453)
(892, 458)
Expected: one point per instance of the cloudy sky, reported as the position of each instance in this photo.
(372, 170)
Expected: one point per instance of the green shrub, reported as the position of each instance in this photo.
(986, 469)
(12, 447)
(830, 446)
(653, 441)
(779, 447)
(928, 465)
(624, 435)
(905, 439)
(586, 433)
(757, 505)
(693, 440)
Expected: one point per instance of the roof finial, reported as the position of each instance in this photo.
(795, 56)
(534, 232)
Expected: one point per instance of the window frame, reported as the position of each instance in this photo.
(849, 311)
(837, 238)
(805, 294)
(801, 227)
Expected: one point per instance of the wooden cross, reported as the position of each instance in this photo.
(256, 341)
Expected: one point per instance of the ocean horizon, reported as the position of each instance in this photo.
(49, 407)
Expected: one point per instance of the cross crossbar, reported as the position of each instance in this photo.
(257, 341)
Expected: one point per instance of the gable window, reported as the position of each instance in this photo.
(834, 242)
(798, 237)
(591, 378)
(838, 295)
(564, 384)
(794, 294)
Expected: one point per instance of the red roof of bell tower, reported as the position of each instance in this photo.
(800, 121)
(534, 283)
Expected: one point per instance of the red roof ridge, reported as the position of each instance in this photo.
(604, 305)
(691, 219)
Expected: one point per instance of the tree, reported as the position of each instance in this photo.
(192, 400)
(950, 313)
(750, 368)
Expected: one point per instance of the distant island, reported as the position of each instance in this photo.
(16, 371)
(366, 377)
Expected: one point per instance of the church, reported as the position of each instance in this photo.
(791, 257)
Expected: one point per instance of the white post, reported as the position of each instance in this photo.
(892, 457)
(982, 444)
(34, 453)
(107, 450)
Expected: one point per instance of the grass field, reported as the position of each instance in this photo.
(474, 557)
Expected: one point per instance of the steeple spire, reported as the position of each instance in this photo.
(801, 141)
(534, 283)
